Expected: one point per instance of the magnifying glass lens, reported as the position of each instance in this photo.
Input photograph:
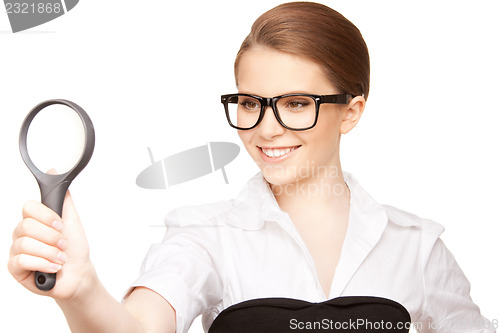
(56, 139)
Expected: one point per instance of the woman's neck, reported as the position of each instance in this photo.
(315, 197)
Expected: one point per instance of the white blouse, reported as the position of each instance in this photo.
(223, 253)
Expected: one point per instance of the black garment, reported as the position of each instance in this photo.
(356, 314)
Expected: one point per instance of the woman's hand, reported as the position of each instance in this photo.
(44, 242)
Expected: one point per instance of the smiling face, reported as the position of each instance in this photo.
(283, 155)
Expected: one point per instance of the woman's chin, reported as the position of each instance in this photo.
(278, 176)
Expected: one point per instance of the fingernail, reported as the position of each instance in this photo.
(62, 257)
(62, 244)
(55, 267)
(58, 225)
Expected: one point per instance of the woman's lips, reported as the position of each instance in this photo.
(277, 154)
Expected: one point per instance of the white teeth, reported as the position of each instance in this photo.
(276, 152)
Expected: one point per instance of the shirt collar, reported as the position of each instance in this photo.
(256, 204)
(367, 218)
(367, 222)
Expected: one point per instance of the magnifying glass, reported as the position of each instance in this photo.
(52, 131)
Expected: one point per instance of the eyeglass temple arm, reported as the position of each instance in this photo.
(337, 99)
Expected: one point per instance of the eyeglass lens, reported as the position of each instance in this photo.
(294, 111)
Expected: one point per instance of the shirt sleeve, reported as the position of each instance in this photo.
(183, 270)
(448, 306)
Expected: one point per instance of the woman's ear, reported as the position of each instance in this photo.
(352, 114)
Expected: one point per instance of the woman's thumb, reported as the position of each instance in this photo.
(69, 211)
(52, 172)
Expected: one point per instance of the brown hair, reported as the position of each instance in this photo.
(319, 33)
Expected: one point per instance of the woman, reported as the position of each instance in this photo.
(301, 229)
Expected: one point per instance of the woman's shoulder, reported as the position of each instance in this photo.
(424, 231)
(389, 215)
(406, 219)
(247, 210)
(207, 214)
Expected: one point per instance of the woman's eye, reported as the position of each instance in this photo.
(249, 105)
(297, 104)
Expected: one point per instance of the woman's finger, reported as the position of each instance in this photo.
(34, 248)
(40, 212)
(30, 227)
(22, 265)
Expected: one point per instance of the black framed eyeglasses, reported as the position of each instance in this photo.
(296, 112)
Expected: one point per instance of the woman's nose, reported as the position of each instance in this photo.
(269, 126)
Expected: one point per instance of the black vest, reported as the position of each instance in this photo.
(356, 314)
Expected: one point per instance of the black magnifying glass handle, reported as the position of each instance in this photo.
(52, 197)
(53, 187)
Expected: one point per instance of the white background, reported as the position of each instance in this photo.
(150, 73)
